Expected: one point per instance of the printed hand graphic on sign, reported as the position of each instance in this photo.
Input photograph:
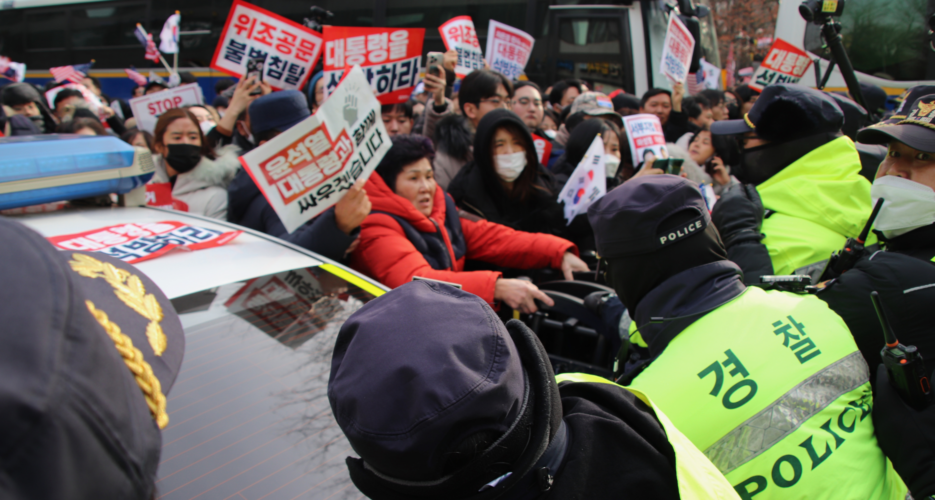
(350, 109)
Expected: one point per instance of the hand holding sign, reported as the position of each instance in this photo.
(310, 167)
(677, 50)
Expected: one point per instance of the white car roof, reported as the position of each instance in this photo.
(182, 272)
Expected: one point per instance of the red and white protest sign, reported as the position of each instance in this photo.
(644, 133)
(389, 58)
(543, 148)
(289, 49)
(159, 194)
(508, 49)
(138, 242)
(784, 63)
(148, 108)
(677, 50)
(459, 34)
(306, 169)
(94, 103)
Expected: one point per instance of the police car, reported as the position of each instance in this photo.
(249, 416)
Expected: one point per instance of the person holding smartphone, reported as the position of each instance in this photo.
(714, 154)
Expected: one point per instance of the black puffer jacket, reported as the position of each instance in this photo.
(904, 276)
(477, 189)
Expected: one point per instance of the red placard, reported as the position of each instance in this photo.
(159, 194)
(459, 34)
(784, 63)
(288, 170)
(289, 49)
(138, 242)
(543, 149)
(389, 58)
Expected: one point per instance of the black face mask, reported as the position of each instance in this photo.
(39, 122)
(183, 157)
(758, 164)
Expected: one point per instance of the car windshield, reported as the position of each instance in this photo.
(249, 413)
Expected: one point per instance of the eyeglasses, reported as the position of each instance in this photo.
(526, 101)
(498, 101)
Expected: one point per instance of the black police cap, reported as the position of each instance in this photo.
(914, 128)
(90, 348)
(632, 219)
(785, 112)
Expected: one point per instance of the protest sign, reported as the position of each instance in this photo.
(587, 183)
(543, 148)
(677, 50)
(508, 49)
(148, 108)
(306, 169)
(138, 242)
(784, 63)
(289, 49)
(459, 34)
(389, 58)
(159, 194)
(644, 133)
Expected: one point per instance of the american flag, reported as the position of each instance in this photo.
(146, 39)
(135, 76)
(62, 73)
(695, 82)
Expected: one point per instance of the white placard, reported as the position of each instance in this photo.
(644, 133)
(587, 184)
(677, 50)
(306, 169)
(148, 108)
(508, 49)
(459, 34)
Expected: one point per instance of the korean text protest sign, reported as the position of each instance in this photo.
(148, 108)
(785, 63)
(508, 49)
(677, 50)
(389, 58)
(459, 34)
(306, 169)
(644, 133)
(159, 194)
(138, 242)
(587, 183)
(289, 49)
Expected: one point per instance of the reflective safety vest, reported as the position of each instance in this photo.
(698, 478)
(771, 386)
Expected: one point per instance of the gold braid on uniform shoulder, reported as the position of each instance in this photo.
(142, 372)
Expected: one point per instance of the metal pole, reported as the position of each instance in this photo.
(836, 44)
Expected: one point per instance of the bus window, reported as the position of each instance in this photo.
(656, 22)
(597, 36)
(884, 38)
(46, 30)
(103, 25)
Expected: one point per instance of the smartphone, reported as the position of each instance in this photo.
(436, 59)
(255, 69)
(709, 166)
(671, 166)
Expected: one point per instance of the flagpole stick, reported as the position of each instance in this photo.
(175, 56)
(164, 63)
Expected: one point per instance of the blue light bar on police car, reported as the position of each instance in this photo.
(48, 168)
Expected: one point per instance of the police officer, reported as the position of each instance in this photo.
(803, 195)
(769, 385)
(89, 350)
(441, 400)
(902, 275)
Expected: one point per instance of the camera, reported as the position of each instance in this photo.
(818, 11)
(319, 16)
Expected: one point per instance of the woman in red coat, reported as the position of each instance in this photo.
(414, 230)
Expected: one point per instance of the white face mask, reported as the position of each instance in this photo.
(206, 126)
(510, 166)
(611, 163)
(908, 205)
(550, 134)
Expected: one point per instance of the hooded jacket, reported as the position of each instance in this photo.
(204, 188)
(387, 254)
(814, 205)
(477, 189)
(249, 208)
(22, 93)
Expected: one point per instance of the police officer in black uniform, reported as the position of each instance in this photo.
(89, 349)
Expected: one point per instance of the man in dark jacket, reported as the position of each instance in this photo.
(334, 232)
(904, 274)
(668, 107)
(441, 400)
(25, 100)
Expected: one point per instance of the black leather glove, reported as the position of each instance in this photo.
(906, 436)
(738, 215)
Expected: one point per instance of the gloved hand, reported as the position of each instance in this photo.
(608, 307)
(738, 215)
(906, 436)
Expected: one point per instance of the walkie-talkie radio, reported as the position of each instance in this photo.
(853, 249)
(903, 364)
